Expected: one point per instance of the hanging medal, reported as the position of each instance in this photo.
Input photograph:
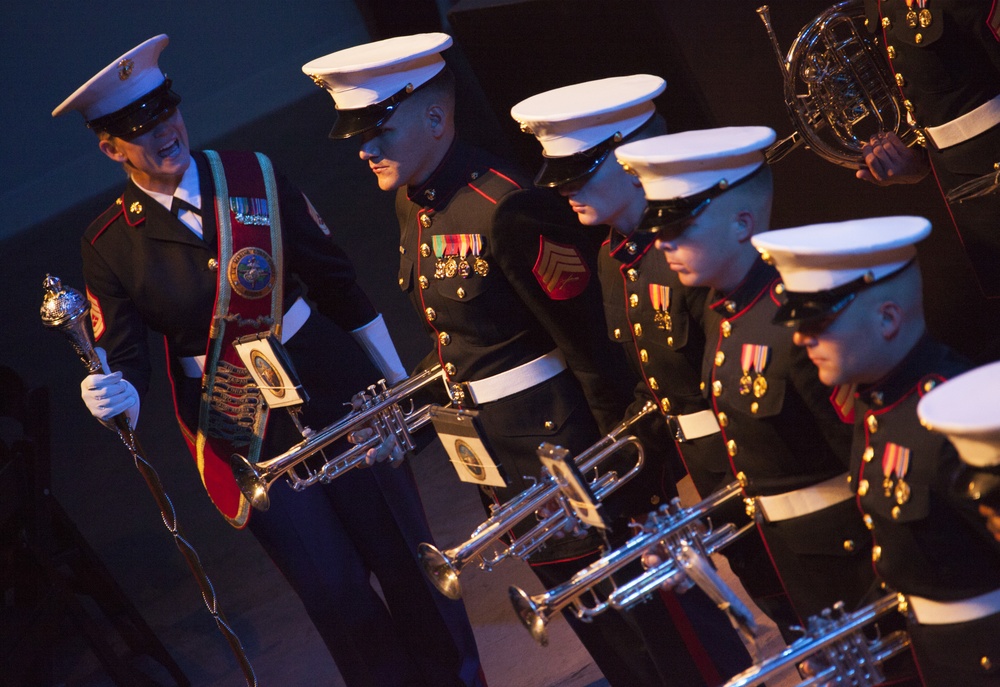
(911, 15)
(451, 251)
(896, 463)
(746, 364)
(464, 269)
(479, 265)
(924, 17)
(762, 355)
(439, 246)
(659, 297)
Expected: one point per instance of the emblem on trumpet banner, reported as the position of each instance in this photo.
(271, 369)
(558, 462)
(465, 446)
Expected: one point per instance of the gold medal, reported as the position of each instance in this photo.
(902, 492)
(451, 267)
(463, 268)
(663, 321)
(925, 18)
(745, 382)
(759, 386)
(911, 19)
(439, 269)
(887, 486)
(481, 267)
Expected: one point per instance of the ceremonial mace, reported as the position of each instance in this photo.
(65, 309)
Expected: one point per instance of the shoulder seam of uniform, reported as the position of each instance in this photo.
(114, 216)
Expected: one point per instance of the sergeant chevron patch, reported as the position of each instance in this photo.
(560, 270)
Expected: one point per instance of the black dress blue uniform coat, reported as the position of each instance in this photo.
(148, 271)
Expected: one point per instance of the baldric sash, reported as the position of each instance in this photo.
(249, 296)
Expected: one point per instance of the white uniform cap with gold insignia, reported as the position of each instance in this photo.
(368, 81)
(128, 96)
(823, 266)
(691, 162)
(966, 409)
(579, 125)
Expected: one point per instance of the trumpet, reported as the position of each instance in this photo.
(444, 567)
(839, 89)
(688, 539)
(836, 637)
(379, 410)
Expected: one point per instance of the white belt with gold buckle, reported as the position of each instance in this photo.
(930, 612)
(795, 504)
(517, 379)
(969, 125)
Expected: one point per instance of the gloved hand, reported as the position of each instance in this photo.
(107, 395)
(388, 449)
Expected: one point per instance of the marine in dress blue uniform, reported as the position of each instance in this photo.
(533, 296)
(784, 438)
(854, 299)
(945, 55)
(146, 270)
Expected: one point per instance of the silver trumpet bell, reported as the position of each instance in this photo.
(839, 89)
(443, 568)
(835, 641)
(688, 541)
(380, 411)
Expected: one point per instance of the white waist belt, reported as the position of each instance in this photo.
(517, 379)
(694, 425)
(291, 323)
(795, 504)
(971, 124)
(929, 612)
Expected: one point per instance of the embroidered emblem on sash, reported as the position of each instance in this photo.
(560, 270)
(251, 273)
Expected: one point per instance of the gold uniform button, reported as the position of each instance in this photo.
(670, 341)
(550, 425)
(731, 448)
(869, 523)
(779, 288)
(876, 553)
(908, 104)
(633, 274)
(423, 282)
(633, 300)
(848, 545)
(723, 421)
(431, 315)
(886, 23)
(730, 307)
(727, 329)
(863, 487)
(868, 454)
(213, 264)
(900, 81)
(444, 338)
(402, 250)
(644, 355)
(929, 385)
(717, 388)
(618, 334)
(754, 407)
(631, 248)
(460, 292)
(425, 250)
(653, 384)
(741, 477)
(450, 369)
(654, 500)
(665, 404)
(720, 357)
(986, 663)
(891, 51)
(919, 38)
(425, 220)
(872, 423)
(895, 512)
(400, 281)
(701, 386)
(637, 328)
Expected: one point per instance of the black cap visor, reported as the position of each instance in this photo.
(558, 171)
(357, 121)
(139, 116)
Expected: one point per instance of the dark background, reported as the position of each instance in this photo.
(721, 70)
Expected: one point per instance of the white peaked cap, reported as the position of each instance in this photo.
(683, 164)
(966, 409)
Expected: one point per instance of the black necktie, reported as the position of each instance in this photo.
(178, 205)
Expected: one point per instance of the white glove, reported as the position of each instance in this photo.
(107, 395)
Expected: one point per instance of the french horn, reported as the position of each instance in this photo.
(839, 89)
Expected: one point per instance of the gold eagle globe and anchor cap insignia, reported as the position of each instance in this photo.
(251, 273)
